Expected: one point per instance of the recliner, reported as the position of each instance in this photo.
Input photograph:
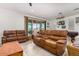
(14, 35)
(52, 40)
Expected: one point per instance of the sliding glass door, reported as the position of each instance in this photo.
(29, 27)
(42, 26)
(35, 26)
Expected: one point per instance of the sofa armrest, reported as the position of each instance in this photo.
(60, 49)
(61, 41)
(61, 44)
(4, 39)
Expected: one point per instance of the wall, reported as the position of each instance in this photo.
(52, 23)
(73, 19)
(10, 20)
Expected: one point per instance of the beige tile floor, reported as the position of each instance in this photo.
(30, 49)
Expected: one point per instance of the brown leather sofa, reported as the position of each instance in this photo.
(14, 35)
(52, 40)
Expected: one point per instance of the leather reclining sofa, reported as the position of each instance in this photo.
(14, 35)
(52, 40)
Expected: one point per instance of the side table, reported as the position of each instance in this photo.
(72, 35)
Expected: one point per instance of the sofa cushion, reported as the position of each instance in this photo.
(61, 41)
(21, 32)
(39, 38)
(53, 38)
(10, 33)
(61, 33)
(50, 43)
(42, 32)
(56, 38)
(44, 36)
(22, 37)
(11, 38)
(13, 35)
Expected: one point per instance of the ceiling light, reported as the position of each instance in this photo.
(60, 15)
(32, 10)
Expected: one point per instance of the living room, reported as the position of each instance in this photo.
(33, 28)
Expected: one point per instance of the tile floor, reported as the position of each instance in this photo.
(30, 49)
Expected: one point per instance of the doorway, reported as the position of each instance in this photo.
(35, 26)
(32, 24)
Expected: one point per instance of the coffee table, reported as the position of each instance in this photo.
(11, 49)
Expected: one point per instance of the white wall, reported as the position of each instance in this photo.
(10, 20)
(67, 19)
(73, 18)
(52, 24)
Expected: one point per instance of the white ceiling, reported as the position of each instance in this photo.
(43, 10)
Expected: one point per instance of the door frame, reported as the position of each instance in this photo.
(26, 24)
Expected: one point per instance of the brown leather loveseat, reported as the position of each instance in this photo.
(52, 40)
(14, 35)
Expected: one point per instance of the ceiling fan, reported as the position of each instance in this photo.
(30, 4)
